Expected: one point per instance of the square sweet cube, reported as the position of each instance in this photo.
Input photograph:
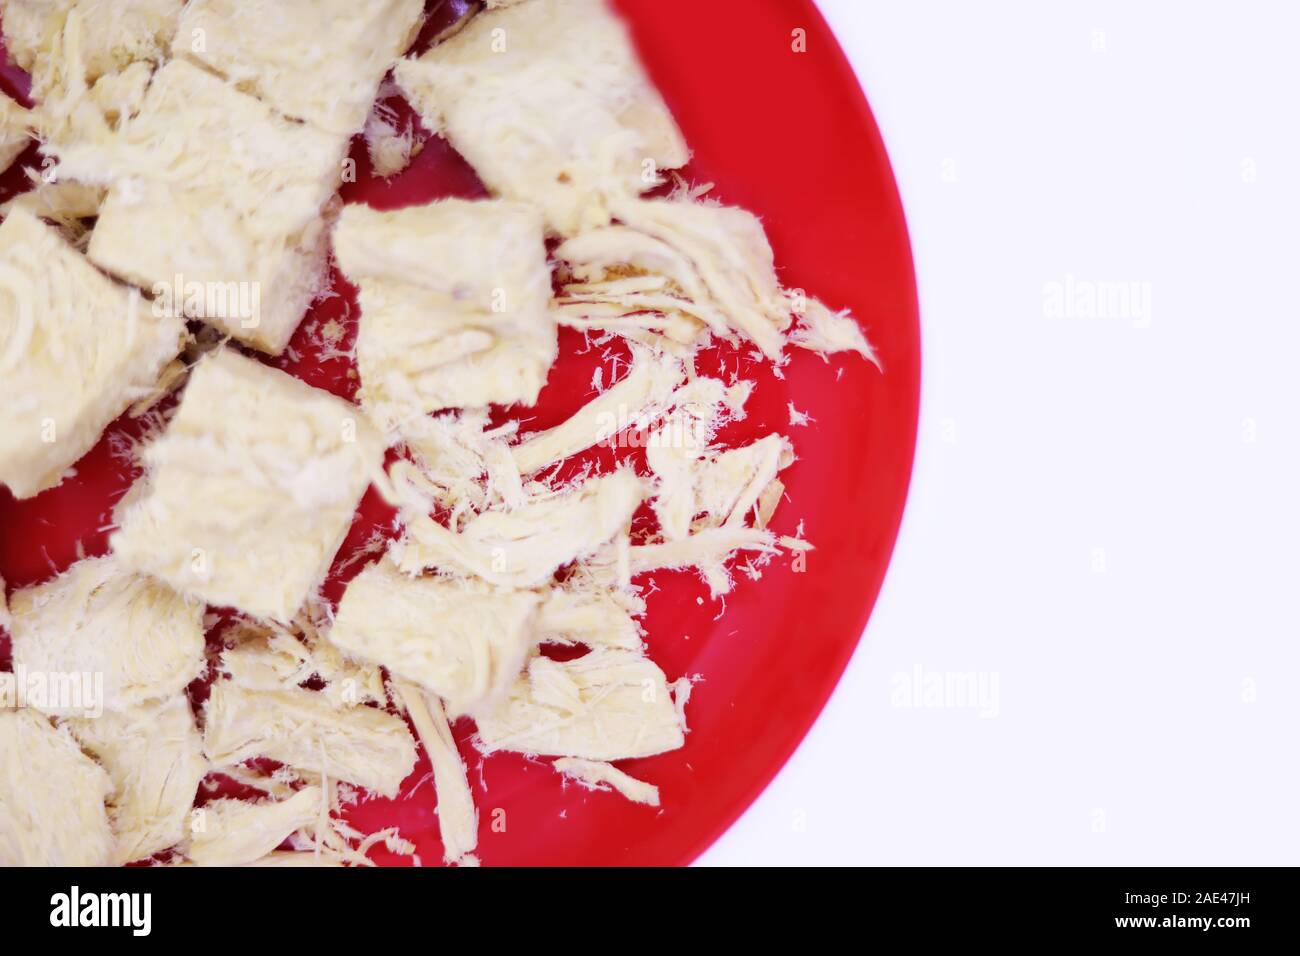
(216, 204)
(458, 639)
(455, 300)
(154, 756)
(52, 796)
(320, 61)
(76, 350)
(550, 104)
(108, 37)
(138, 640)
(250, 491)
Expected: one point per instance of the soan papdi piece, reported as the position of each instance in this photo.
(90, 114)
(454, 306)
(15, 131)
(64, 203)
(215, 204)
(52, 797)
(278, 467)
(154, 756)
(97, 618)
(597, 775)
(75, 351)
(234, 832)
(523, 547)
(66, 45)
(457, 815)
(90, 60)
(459, 639)
(315, 60)
(550, 105)
(360, 745)
(594, 616)
(607, 705)
(713, 262)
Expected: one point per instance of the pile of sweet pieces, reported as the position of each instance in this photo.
(207, 140)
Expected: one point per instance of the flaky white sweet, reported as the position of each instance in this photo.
(593, 616)
(459, 640)
(550, 105)
(361, 745)
(154, 757)
(75, 351)
(64, 203)
(67, 45)
(461, 464)
(706, 262)
(15, 131)
(263, 655)
(722, 487)
(607, 705)
(279, 467)
(237, 832)
(216, 204)
(711, 504)
(319, 61)
(454, 306)
(820, 330)
(139, 637)
(90, 61)
(52, 796)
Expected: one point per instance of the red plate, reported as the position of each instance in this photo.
(788, 135)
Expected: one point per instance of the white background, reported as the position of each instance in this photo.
(1104, 515)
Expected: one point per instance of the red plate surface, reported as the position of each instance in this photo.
(788, 135)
